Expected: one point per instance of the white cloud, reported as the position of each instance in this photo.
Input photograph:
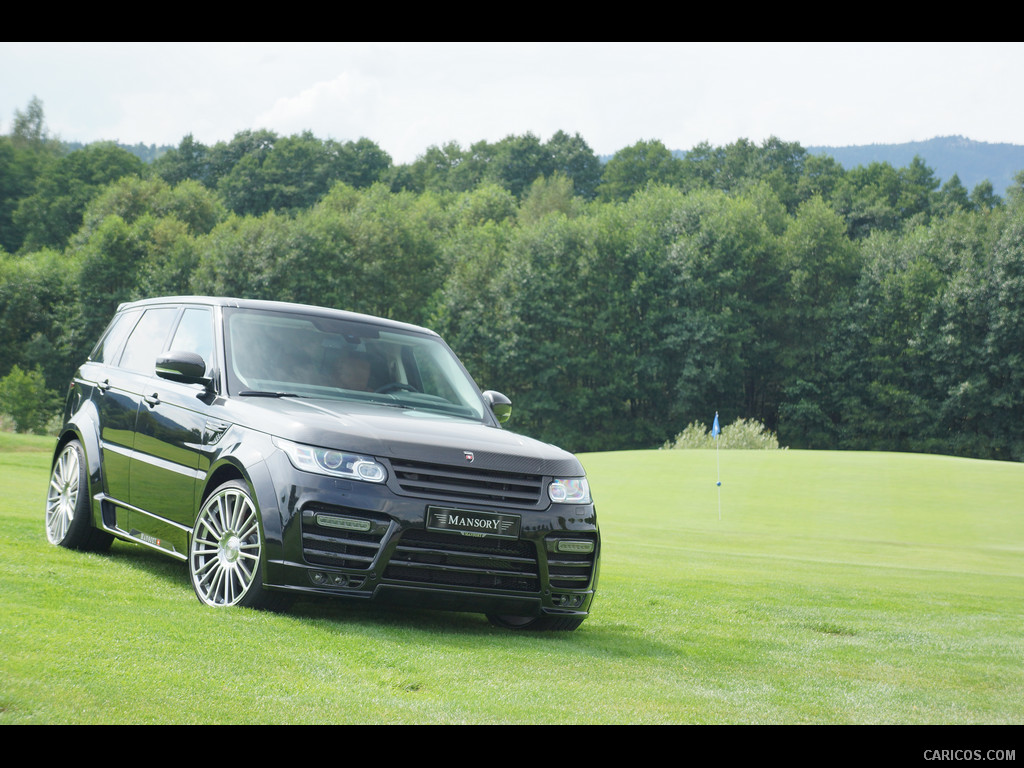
(345, 104)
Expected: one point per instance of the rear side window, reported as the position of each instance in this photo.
(147, 340)
(110, 344)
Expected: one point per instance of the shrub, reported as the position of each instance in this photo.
(744, 434)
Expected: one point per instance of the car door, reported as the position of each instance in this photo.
(115, 393)
(165, 466)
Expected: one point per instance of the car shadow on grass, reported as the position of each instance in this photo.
(345, 613)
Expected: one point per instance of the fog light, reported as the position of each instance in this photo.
(575, 546)
(345, 523)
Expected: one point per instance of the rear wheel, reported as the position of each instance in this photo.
(536, 623)
(225, 558)
(68, 522)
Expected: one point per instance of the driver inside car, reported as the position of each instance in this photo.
(352, 371)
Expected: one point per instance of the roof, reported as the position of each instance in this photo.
(277, 306)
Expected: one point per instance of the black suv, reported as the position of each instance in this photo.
(281, 449)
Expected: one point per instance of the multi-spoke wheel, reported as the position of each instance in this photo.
(67, 504)
(225, 555)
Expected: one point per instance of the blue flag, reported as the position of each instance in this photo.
(715, 431)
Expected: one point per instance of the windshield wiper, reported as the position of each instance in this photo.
(267, 393)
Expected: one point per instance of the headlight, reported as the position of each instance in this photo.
(569, 490)
(326, 461)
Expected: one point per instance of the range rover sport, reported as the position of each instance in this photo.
(282, 449)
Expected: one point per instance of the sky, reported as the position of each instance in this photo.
(409, 96)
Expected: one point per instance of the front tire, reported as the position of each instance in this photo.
(225, 556)
(68, 518)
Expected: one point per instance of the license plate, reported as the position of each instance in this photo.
(470, 523)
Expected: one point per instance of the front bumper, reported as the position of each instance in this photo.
(372, 541)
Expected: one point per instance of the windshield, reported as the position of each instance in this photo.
(281, 354)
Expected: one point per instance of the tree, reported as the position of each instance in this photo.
(370, 251)
(983, 196)
(25, 398)
(823, 266)
(30, 126)
(974, 342)
(292, 173)
(742, 164)
(516, 161)
(952, 197)
(361, 164)
(111, 261)
(869, 199)
(781, 165)
(37, 296)
(224, 156)
(24, 155)
(431, 170)
(820, 175)
(731, 279)
(54, 211)
(572, 157)
(634, 167)
(190, 160)
(488, 202)
(919, 187)
(548, 195)
(1015, 192)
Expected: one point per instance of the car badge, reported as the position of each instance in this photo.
(468, 455)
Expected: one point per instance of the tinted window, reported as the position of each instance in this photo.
(108, 346)
(195, 334)
(147, 340)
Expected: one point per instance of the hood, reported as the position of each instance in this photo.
(401, 433)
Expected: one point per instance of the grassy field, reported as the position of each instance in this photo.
(835, 588)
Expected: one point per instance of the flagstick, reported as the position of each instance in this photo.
(719, 483)
(716, 432)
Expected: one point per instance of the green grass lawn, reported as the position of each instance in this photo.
(835, 588)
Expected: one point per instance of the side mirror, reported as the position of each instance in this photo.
(500, 405)
(186, 367)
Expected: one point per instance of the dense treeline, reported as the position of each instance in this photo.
(868, 308)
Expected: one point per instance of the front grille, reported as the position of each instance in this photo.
(457, 483)
(426, 557)
(569, 570)
(329, 545)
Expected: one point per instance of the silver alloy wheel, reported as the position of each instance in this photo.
(224, 555)
(62, 498)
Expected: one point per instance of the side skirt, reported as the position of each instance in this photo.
(140, 527)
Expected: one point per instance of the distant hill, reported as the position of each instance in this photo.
(972, 161)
